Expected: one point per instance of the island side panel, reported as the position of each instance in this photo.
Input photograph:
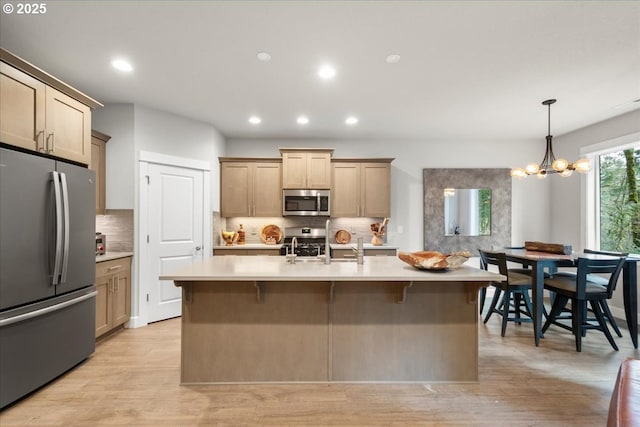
(432, 336)
(228, 336)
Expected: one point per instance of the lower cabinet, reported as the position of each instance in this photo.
(113, 303)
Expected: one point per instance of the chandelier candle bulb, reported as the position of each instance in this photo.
(560, 165)
(582, 166)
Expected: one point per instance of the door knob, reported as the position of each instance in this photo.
(198, 248)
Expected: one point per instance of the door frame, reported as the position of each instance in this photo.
(140, 289)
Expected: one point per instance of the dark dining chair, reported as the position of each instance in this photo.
(513, 292)
(603, 303)
(483, 266)
(584, 288)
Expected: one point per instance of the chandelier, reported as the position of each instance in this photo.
(550, 164)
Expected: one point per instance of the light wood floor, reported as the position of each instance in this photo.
(132, 379)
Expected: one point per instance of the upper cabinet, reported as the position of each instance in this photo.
(67, 127)
(22, 104)
(306, 168)
(250, 187)
(99, 164)
(40, 113)
(361, 188)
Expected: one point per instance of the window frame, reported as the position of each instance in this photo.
(591, 221)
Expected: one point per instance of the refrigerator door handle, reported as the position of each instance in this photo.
(42, 311)
(65, 202)
(58, 256)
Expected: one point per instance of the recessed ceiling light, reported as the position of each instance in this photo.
(302, 120)
(326, 72)
(351, 120)
(393, 59)
(122, 65)
(264, 56)
(255, 120)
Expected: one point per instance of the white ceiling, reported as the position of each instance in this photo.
(475, 70)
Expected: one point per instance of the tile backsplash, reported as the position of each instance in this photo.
(358, 227)
(117, 225)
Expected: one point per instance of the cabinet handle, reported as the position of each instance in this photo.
(110, 288)
(53, 141)
(115, 267)
(40, 149)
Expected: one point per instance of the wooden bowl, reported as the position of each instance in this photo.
(343, 237)
(271, 234)
(434, 260)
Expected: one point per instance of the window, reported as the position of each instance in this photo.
(618, 173)
(613, 195)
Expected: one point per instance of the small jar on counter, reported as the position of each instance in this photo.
(241, 235)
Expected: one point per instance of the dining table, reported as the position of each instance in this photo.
(541, 262)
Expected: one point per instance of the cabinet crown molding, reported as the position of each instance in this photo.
(250, 159)
(47, 78)
(306, 150)
(101, 136)
(362, 159)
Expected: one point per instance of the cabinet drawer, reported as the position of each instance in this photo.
(114, 266)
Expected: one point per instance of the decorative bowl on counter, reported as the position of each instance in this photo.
(230, 237)
(271, 234)
(434, 260)
(343, 237)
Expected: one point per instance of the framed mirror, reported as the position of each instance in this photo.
(435, 180)
(467, 211)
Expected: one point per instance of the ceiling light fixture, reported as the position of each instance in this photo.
(393, 59)
(264, 56)
(549, 163)
(122, 65)
(326, 72)
(302, 120)
(255, 120)
(351, 120)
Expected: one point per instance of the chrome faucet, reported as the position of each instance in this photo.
(360, 250)
(294, 243)
(327, 245)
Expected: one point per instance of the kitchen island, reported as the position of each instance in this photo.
(261, 319)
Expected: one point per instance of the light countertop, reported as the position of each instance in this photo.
(108, 256)
(270, 268)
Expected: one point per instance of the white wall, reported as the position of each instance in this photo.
(135, 128)
(118, 121)
(164, 133)
(530, 213)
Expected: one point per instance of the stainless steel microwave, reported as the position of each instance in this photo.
(306, 202)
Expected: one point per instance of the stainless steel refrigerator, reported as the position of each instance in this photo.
(47, 270)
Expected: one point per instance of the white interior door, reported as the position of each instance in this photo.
(175, 220)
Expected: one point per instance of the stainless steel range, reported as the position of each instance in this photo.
(303, 241)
